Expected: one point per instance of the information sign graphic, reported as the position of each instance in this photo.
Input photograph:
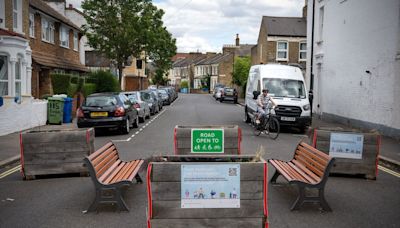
(210, 186)
(207, 141)
(346, 145)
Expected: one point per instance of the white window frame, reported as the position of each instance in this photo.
(76, 40)
(18, 81)
(47, 30)
(2, 14)
(15, 4)
(302, 51)
(282, 50)
(32, 25)
(64, 36)
(321, 24)
(7, 79)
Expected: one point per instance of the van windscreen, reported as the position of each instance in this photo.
(279, 87)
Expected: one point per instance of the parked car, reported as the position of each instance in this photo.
(229, 94)
(141, 106)
(108, 110)
(217, 92)
(165, 97)
(153, 104)
(171, 92)
(157, 96)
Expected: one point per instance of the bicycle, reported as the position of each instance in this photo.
(268, 124)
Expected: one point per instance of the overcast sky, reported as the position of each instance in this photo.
(206, 25)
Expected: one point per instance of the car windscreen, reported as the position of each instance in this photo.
(279, 87)
(101, 101)
(145, 96)
(162, 91)
(133, 98)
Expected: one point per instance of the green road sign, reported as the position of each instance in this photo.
(207, 141)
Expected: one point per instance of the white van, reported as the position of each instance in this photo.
(287, 87)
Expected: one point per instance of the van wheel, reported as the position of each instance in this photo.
(246, 116)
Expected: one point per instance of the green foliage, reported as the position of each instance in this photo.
(159, 78)
(105, 81)
(72, 89)
(241, 70)
(123, 28)
(88, 89)
(60, 83)
(184, 84)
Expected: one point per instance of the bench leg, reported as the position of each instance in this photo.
(96, 201)
(300, 199)
(138, 179)
(120, 202)
(322, 200)
(274, 177)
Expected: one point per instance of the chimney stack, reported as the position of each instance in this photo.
(70, 6)
(237, 40)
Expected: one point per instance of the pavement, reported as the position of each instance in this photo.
(389, 151)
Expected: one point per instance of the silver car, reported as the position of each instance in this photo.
(141, 106)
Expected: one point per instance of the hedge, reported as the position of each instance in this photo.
(89, 88)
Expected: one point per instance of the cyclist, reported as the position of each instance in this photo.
(263, 101)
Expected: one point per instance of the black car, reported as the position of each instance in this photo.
(108, 110)
(165, 96)
(229, 94)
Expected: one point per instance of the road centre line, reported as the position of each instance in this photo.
(384, 169)
(10, 171)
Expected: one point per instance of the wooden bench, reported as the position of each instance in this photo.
(110, 174)
(309, 168)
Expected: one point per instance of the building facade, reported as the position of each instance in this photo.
(354, 69)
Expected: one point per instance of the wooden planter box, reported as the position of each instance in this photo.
(367, 165)
(232, 139)
(55, 152)
(164, 194)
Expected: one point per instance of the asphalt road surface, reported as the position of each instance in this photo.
(61, 201)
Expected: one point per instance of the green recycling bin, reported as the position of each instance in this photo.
(55, 107)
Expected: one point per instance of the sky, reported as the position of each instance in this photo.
(207, 25)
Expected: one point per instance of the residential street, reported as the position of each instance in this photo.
(61, 201)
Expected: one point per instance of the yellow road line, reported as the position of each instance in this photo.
(396, 174)
(10, 171)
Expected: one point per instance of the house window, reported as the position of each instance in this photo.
(282, 49)
(32, 25)
(15, 15)
(321, 23)
(3, 75)
(64, 37)
(302, 51)
(75, 40)
(2, 14)
(18, 66)
(47, 31)
(139, 64)
(197, 83)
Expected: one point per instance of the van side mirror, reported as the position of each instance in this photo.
(255, 94)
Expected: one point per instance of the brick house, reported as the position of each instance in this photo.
(281, 40)
(54, 41)
(184, 66)
(18, 109)
(134, 75)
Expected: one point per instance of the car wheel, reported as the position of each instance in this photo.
(136, 123)
(141, 119)
(221, 100)
(148, 116)
(125, 127)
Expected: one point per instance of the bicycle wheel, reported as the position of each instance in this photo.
(257, 127)
(273, 128)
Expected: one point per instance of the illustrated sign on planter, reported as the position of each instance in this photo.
(346, 145)
(207, 141)
(210, 186)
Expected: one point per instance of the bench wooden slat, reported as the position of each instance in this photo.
(122, 171)
(107, 166)
(111, 157)
(107, 173)
(308, 165)
(310, 160)
(292, 172)
(314, 156)
(302, 167)
(321, 154)
(303, 174)
(114, 172)
(136, 170)
(99, 151)
(106, 153)
(282, 171)
(130, 170)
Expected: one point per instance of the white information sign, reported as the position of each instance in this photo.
(210, 186)
(346, 145)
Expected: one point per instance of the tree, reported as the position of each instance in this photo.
(123, 28)
(241, 70)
